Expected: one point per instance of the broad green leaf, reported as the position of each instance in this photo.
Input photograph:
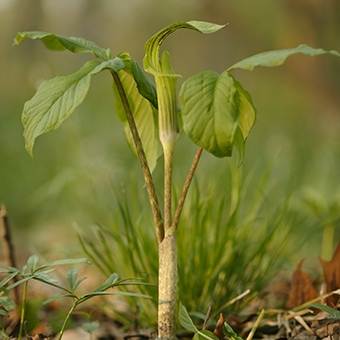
(151, 62)
(57, 98)
(7, 303)
(210, 111)
(145, 86)
(278, 57)
(145, 116)
(205, 335)
(57, 42)
(185, 320)
(247, 119)
(32, 262)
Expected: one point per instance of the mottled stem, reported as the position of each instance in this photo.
(167, 288)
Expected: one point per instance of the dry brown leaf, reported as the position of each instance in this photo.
(331, 272)
(302, 289)
(219, 327)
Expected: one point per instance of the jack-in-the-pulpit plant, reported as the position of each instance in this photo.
(215, 112)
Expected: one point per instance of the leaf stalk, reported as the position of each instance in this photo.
(158, 221)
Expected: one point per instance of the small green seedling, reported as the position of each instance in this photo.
(214, 111)
(31, 271)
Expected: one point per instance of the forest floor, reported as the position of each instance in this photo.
(298, 320)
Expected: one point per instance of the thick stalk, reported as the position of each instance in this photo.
(167, 288)
(168, 133)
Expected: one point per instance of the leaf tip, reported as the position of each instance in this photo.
(17, 40)
(206, 27)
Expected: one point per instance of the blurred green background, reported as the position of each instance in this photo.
(86, 159)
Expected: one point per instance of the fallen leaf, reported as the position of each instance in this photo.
(219, 327)
(331, 272)
(302, 289)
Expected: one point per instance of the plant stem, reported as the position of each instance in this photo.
(167, 288)
(23, 310)
(63, 327)
(168, 156)
(158, 221)
(186, 188)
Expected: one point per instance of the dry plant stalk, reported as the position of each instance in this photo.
(8, 248)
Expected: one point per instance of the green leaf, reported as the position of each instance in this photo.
(8, 278)
(57, 42)
(5, 314)
(204, 335)
(210, 111)
(71, 278)
(3, 335)
(7, 303)
(228, 331)
(187, 324)
(66, 262)
(97, 293)
(278, 57)
(145, 116)
(32, 262)
(89, 327)
(8, 269)
(146, 87)
(151, 63)
(56, 297)
(41, 276)
(57, 98)
(110, 282)
(19, 282)
(331, 311)
(185, 320)
(247, 119)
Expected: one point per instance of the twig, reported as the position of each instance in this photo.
(207, 317)
(257, 323)
(8, 245)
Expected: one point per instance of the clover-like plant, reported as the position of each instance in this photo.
(215, 111)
